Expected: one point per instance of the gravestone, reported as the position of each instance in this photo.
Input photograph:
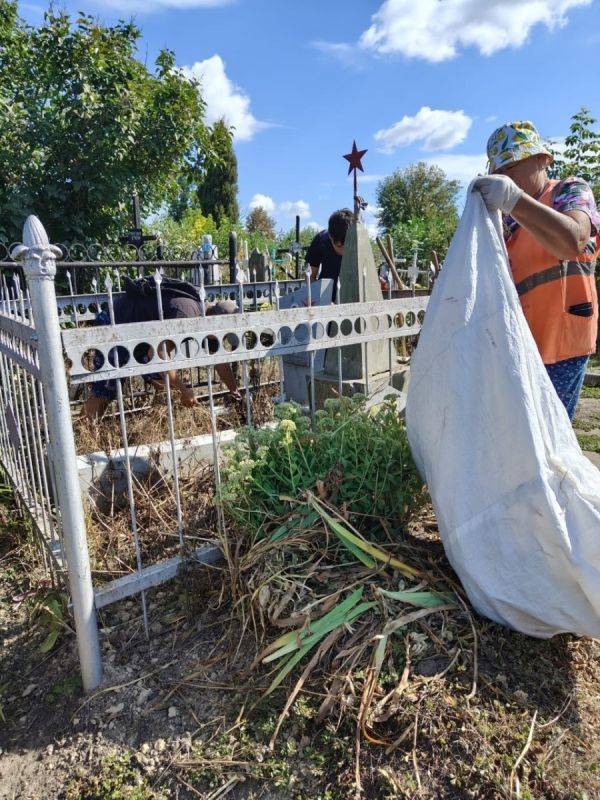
(366, 366)
(296, 366)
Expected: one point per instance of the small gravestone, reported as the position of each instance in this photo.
(258, 264)
(296, 366)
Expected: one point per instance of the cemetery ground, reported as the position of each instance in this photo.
(459, 708)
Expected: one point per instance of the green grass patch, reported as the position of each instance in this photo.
(118, 779)
(591, 391)
(588, 442)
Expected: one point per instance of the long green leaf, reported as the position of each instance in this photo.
(366, 547)
(341, 532)
(295, 639)
(356, 551)
(297, 657)
(50, 640)
(420, 599)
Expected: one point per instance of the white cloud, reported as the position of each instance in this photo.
(157, 5)
(436, 30)
(224, 99)
(347, 54)
(313, 226)
(461, 168)
(436, 129)
(295, 207)
(285, 211)
(262, 201)
(368, 178)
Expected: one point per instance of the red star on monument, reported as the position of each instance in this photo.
(354, 158)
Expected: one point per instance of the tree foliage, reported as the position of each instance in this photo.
(418, 191)
(259, 221)
(84, 123)
(217, 191)
(581, 156)
(418, 204)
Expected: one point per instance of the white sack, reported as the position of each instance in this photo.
(518, 504)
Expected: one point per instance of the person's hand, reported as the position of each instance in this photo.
(498, 192)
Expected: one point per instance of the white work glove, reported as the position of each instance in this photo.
(498, 192)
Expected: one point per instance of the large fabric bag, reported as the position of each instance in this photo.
(518, 504)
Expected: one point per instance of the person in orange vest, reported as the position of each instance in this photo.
(551, 229)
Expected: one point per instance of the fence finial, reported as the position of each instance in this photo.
(38, 255)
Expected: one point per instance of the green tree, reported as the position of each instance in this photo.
(258, 221)
(418, 204)
(84, 123)
(217, 190)
(581, 156)
(419, 191)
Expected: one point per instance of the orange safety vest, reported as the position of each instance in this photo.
(559, 299)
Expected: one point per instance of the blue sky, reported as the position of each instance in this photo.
(408, 79)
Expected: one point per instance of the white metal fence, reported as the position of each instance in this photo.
(37, 442)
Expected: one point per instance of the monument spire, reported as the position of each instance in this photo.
(354, 159)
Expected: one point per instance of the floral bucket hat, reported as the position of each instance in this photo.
(514, 142)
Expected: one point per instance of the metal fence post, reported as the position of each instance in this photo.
(232, 256)
(40, 271)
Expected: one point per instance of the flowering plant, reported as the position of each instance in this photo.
(359, 458)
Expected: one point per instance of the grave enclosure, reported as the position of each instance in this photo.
(312, 348)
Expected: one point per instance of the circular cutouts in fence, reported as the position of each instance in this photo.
(346, 327)
(167, 350)
(189, 347)
(231, 342)
(421, 316)
(385, 322)
(318, 330)
(92, 360)
(360, 325)
(118, 356)
(210, 344)
(373, 324)
(267, 338)
(332, 329)
(301, 333)
(399, 320)
(249, 338)
(285, 335)
(410, 319)
(143, 352)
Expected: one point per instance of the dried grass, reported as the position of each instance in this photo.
(109, 528)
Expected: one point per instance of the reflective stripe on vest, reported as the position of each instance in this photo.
(555, 273)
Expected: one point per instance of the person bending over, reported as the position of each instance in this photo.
(324, 255)
(139, 303)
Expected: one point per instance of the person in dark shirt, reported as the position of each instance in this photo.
(139, 303)
(325, 252)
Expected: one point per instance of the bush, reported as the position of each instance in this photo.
(359, 458)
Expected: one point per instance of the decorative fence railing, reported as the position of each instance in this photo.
(40, 357)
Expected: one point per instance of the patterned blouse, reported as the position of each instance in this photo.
(572, 194)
